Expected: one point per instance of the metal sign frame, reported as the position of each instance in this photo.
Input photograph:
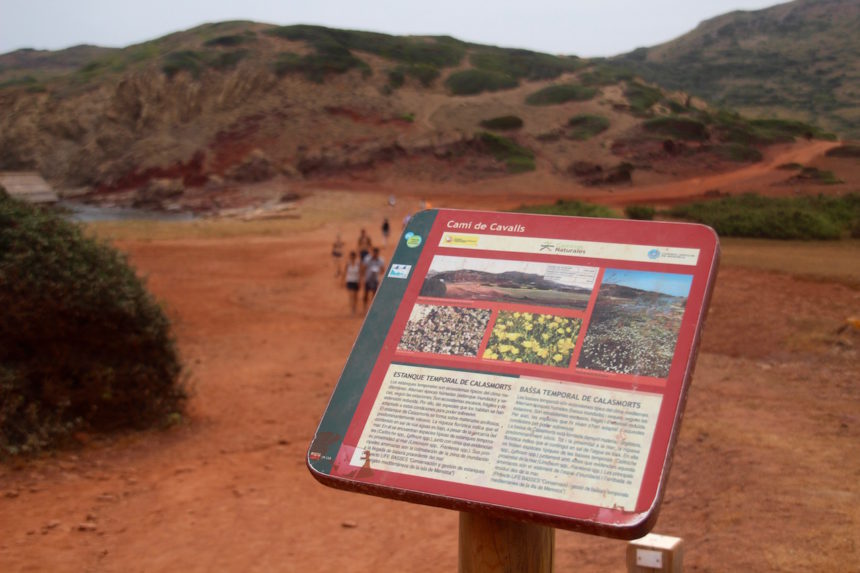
(529, 367)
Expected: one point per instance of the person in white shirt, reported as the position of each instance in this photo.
(374, 266)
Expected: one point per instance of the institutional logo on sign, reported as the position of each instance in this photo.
(654, 254)
(412, 240)
(399, 271)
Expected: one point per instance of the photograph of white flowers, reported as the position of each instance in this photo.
(635, 323)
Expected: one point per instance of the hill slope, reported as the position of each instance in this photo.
(800, 60)
(239, 102)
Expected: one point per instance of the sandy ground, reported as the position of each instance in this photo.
(766, 475)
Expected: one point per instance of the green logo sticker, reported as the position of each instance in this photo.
(412, 240)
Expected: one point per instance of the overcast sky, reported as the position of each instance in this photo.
(579, 27)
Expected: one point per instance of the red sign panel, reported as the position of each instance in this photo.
(528, 366)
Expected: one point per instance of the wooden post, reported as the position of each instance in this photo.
(490, 545)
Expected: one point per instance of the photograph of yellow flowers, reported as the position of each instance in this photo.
(448, 330)
(533, 338)
(635, 323)
(506, 281)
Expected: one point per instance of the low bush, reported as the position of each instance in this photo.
(19, 81)
(561, 93)
(503, 123)
(640, 212)
(183, 61)
(844, 150)
(194, 63)
(641, 98)
(675, 107)
(523, 64)
(786, 129)
(734, 128)
(682, 128)
(520, 164)
(83, 346)
(586, 126)
(472, 82)
(738, 152)
(603, 74)
(227, 60)
(568, 208)
(396, 78)
(751, 215)
(434, 52)
(230, 41)
(424, 73)
(316, 66)
(815, 175)
(517, 158)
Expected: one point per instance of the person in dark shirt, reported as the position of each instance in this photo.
(374, 266)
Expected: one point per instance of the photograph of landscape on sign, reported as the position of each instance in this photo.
(635, 323)
(523, 282)
(533, 338)
(445, 330)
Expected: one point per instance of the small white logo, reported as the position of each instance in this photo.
(399, 271)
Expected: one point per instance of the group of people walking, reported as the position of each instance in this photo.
(363, 269)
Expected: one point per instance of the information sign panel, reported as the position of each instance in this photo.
(529, 366)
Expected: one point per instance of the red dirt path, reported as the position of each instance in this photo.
(765, 475)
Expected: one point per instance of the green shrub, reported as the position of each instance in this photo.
(471, 82)
(605, 75)
(738, 152)
(793, 166)
(640, 212)
(503, 123)
(561, 93)
(586, 126)
(568, 208)
(641, 98)
(316, 66)
(523, 64)
(183, 61)
(734, 128)
(517, 158)
(844, 150)
(19, 81)
(682, 128)
(786, 129)
(776, 218)
(675, 107)
(815, 175)
(195, 62)
(230, 41)
(433, 52)
(520, 164)
(396, 78)
(83, 346)
(424, 73)
(226, 60)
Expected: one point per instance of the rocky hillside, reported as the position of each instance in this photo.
(240, 102)
(796, 60)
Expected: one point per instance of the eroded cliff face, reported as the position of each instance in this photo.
(144, 125)
(108, 132)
